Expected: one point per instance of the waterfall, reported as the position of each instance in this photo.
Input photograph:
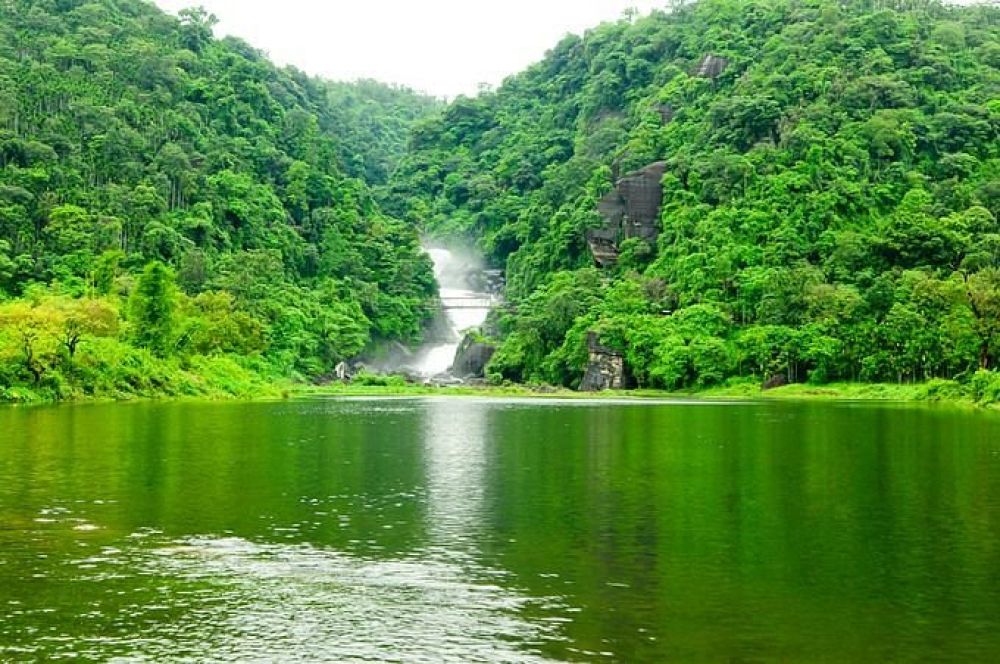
(466, 300)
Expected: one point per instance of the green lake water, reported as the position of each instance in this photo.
(436, 530)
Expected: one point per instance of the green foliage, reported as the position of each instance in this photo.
(372, 121)
(985, 387)
(830, 204)
(365, 379)
(153, 310)
(129, 137)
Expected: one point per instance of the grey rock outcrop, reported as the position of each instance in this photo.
(666, 112)
(606, 368)
(472, 357)
(632, 209)
(711, 66)
(603, 244)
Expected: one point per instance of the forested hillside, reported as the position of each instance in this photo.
(372, 123)
(830, 198)
(174, 207)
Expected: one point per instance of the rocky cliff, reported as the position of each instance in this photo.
(711, 66)
(630, 210)
(606, 368)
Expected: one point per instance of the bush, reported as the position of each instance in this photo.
(223, 374)
(19, 395)
(509, 361)
(366, 379)
(944, 390)
(985, 386)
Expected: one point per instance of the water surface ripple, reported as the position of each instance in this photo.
(491, 530)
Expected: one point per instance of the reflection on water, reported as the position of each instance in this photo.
(499, 530)
(246, 601)
(455, 441)
(228, 599)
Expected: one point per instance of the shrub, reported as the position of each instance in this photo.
(985, 386)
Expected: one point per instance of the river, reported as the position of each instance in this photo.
(463, 530)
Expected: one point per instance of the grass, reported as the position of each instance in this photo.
(139, 375)
(841, 391)
(931, 392)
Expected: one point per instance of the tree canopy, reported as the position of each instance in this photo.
(830, 203)
(129, 138)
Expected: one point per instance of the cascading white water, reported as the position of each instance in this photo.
(466, 306)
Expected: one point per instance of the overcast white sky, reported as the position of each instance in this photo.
(444, 47)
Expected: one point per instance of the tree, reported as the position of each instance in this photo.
(214, 324)
(34, 329)
(79, 318)
(984, 298)
(153, 308)
(128, 136)
(7, 266)
(825, 161)
(196, 28)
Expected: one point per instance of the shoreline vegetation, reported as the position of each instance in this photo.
(229, 383)
(949, 392)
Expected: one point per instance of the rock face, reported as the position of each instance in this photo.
(632, 209)
(711, 66)
(666, 112)
(603, 244)
(471, 358)
(606, 370)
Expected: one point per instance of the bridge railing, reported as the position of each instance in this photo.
(468, 302)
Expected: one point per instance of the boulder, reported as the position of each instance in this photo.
(472, 357)
(605, 369)
(642, 193)
(603, 243)
(494, 282)
(774, 382)
(443, 380)
(342, 371)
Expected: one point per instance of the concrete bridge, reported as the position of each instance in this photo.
(467, 302)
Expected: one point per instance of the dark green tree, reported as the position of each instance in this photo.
(153, 309)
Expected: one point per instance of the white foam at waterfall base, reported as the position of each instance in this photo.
(455, 274)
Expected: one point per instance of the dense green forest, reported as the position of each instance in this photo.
(178, 215)
(372, 124)
(830, 200)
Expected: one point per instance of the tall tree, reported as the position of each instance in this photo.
(153, 309)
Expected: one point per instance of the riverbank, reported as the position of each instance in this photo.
(949, 392)
(224, 380)
(141, 376)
